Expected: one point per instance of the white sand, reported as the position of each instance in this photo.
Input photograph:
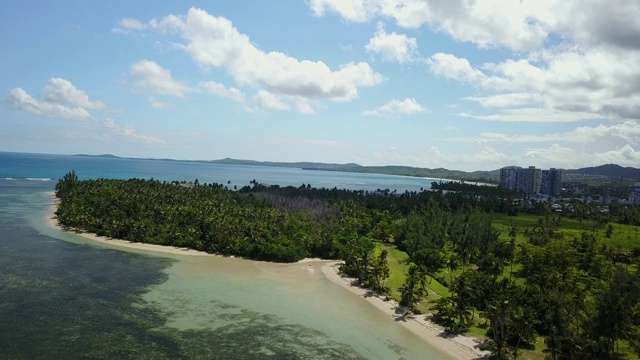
(457, 346)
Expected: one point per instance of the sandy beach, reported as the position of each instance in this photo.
(458, 346)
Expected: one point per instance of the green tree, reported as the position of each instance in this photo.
(380, 272)
(414, 288)
(616, 314)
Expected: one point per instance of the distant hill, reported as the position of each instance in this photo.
(609, 170)
(440, 173)
(598, 174)
(300, 165)
(102, 155)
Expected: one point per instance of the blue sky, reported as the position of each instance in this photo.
(459, 84)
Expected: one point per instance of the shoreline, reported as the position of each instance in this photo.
(459, 347)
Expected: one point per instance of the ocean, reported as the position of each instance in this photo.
(65, 297)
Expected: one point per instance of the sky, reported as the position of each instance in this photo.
(458, 84)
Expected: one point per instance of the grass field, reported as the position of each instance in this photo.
(623, 238)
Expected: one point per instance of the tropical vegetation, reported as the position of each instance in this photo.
(541, 284)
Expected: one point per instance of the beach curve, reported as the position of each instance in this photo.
(459, 347)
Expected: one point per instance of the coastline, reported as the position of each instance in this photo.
(459, 347)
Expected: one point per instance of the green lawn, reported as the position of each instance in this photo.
(624, 237)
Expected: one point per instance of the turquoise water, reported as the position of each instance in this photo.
(64, 297)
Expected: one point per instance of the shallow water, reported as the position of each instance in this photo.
(66, 297)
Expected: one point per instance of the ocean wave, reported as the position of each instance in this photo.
(38, 179)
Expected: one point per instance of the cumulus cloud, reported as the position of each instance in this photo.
(61, 100)
(567, 85)
(128, 133)
(214, 42)
(58, 93)
(393, 47)
(352, 10)
(520, 25)
(128, 25)
(267, 100)
(601, 22)
(153, 77)
(571, 60)
(408, 106)
(218, 89)
(62, 91)
(19, 98)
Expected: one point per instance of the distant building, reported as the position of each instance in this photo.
(551, 182)
(509, 177)
(634, 198)
(531, 181)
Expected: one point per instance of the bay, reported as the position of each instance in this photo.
(46, 167)
(63, 296)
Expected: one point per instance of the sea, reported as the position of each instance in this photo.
(65, 297)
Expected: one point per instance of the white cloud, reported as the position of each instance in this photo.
(128, 133)
(393, 47)
(605, 136)
(519, 25)
(572, 59)
(218, 89)
(408, 106)
(267, 100)
(506, 100)
(62, 91)
(155, 103)
(562, 85)
(583, 146)
(460, 69)
(601, 22)
(539, 115)
(22, 100)
(59, 92)
(352, 10)
(303, 105)
(128, 25)
(155, 78)
(214, 42)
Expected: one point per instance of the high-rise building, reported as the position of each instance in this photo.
(509, 177)
(551, 182)
(531, 181)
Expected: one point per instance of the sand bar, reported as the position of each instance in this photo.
(457, 346)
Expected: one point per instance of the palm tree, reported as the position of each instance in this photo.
(414, 288)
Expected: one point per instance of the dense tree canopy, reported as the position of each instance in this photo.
(570, 290)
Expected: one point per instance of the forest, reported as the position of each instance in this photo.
(540, 285)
